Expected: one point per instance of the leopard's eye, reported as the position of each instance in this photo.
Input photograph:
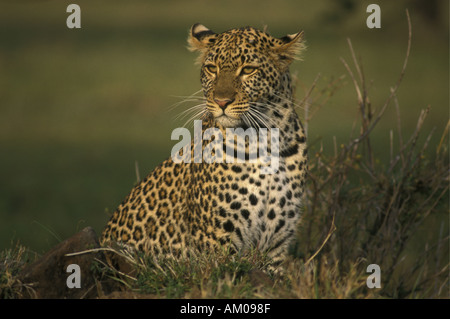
(248, 70)
(211, 68)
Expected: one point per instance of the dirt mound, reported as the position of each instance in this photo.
(70, 270)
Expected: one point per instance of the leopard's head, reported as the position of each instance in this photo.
(243, 71)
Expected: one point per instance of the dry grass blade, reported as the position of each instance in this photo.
(373, 123)
(330, 232)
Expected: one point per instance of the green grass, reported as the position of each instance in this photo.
(223, 275)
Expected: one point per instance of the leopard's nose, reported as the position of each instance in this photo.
(223, 103)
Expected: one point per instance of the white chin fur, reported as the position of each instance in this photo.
(226, 121)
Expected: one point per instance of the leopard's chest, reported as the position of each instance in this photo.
(256, 210)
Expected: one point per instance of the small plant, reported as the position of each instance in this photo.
(11, 262)
(214, 274)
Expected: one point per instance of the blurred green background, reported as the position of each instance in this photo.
(79, 107)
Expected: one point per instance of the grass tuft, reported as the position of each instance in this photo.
(12, 262)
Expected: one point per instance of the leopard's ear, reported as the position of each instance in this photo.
(200, 38)
(289, 48)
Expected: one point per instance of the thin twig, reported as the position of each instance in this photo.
(330, 232)
(393, 90)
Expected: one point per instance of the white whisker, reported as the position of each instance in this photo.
(198, 115)
(190, 112)
(296, 103)
(261, 116)
(191, 98)
(250, 121)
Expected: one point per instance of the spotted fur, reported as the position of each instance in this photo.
(246, 83)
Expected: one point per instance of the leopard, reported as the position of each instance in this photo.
(206, 205)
